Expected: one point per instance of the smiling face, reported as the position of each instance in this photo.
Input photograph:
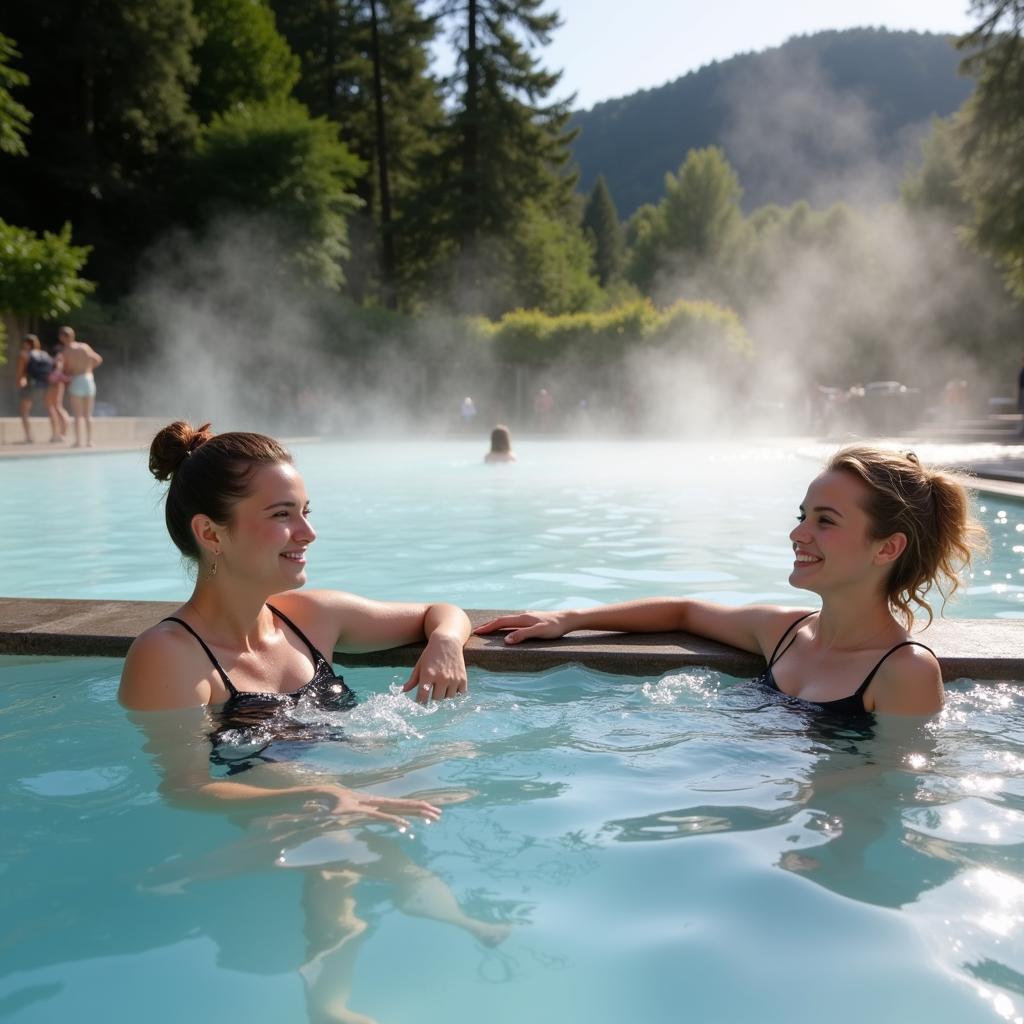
(832, 544)
(266, 540)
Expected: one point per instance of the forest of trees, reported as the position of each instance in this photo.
(136, 132)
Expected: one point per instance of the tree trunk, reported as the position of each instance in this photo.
(470, 139)
(387, 238)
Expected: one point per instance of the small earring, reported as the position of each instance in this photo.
(213, 567)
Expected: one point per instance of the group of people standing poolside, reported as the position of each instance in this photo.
(68, 369)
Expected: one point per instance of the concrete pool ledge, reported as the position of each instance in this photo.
(990, 649)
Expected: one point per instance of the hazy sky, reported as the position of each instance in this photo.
(609, 48)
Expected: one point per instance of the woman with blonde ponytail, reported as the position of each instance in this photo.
(877, 534)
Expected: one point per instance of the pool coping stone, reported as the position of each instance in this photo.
(983, 649)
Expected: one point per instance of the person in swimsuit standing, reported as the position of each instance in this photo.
(57, 382)
(876, 532)
(247, 650)
(80, 359)
(34, 366)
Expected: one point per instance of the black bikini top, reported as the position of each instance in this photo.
(847, 707)
(249, 720)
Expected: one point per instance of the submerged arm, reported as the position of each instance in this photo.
(178, 742)
(166, 688)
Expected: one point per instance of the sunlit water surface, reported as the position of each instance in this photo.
(656, 849)
(573, 523)
(659, 850)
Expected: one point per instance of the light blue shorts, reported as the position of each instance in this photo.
(83, 385)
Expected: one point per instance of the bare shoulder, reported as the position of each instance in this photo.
(770, 623)
(334, 619)
(313, 608)
(909, 682)
(320, 614)
(165, 668)
(753, 627)
(327, 605)
(312, 601)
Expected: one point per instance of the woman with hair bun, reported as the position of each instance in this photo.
(876, 533)
(249, 654)
(248, 644)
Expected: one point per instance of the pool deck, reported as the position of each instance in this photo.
(990, 649)
(110, 434)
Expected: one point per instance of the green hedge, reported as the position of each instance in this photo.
(532, 338)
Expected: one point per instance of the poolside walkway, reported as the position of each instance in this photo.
(991, 649)
(110, 433)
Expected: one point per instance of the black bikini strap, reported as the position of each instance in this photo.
(789, 629)
(209, 653)
(313, 651)
(871, 675)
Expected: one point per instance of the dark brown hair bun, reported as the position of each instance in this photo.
(209, 473)
(173, 445)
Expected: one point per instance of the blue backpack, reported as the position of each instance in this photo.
(40, 366)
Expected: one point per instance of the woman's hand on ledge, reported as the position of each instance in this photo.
(529, 626)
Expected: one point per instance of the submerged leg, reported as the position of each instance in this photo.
(420, 893)
(333, 933)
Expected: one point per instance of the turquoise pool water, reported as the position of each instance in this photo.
(660, 850)
(657, 849)
(573, 523)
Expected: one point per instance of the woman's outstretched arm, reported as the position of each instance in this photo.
(753, 628)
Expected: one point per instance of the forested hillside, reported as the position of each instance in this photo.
(289, 185)
(822, 117)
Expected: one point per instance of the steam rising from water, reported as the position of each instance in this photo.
(241, 343)
(791, 133)
(879, 295)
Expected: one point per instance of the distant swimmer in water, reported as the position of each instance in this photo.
(875, 533)
(501, 446)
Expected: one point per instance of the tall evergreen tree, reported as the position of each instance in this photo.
(993, 134)
(14, 118)
(696, 226)
(242, 58)
(365, 65)
(275, 164)
(601, 223)
(702, 207)
(503, 145)
(108, 87)
(934, 185)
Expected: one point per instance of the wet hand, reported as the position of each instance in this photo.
(527, 626)
(350, 803)
(440, 671)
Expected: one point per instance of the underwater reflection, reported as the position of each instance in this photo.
(839, 814)
(352, 872)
